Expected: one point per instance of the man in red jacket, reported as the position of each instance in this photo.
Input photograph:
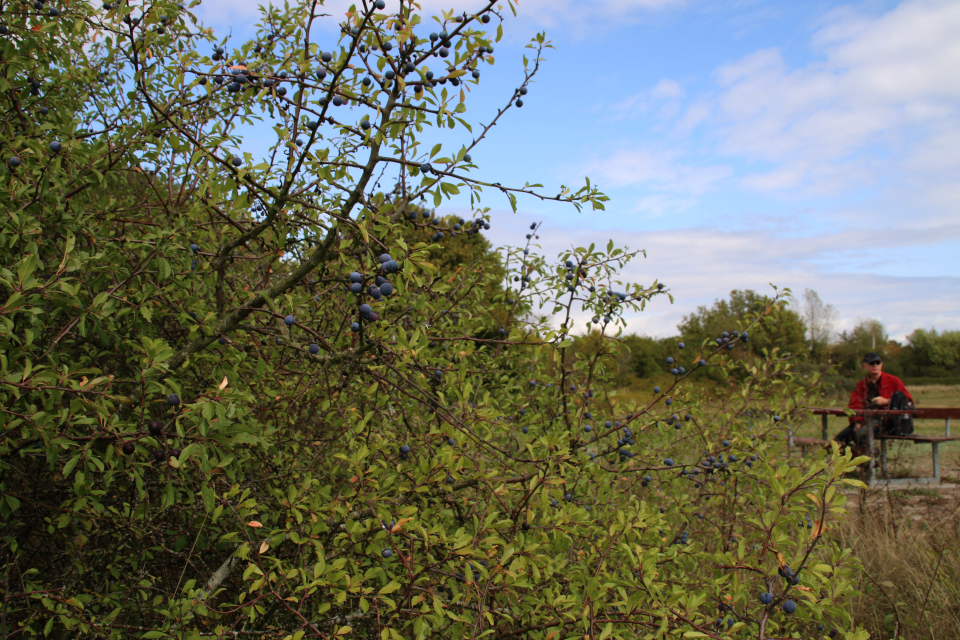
(875, 391)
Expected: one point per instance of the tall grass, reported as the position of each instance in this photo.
(909, 544)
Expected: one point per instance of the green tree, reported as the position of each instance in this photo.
(780, 326)
(647, 356)
(210, 431)
(848, 351)
(932, 354)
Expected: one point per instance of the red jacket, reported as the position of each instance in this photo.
(887, 383)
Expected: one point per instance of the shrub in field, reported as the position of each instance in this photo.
(260, 397)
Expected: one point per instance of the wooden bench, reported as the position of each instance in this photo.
(933, 441)
(935, 413)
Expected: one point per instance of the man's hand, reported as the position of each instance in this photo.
(880, 400)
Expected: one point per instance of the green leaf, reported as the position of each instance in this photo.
(71, 463)
(390, 588)
(209, 499)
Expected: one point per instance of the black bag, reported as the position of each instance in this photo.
(900, 425)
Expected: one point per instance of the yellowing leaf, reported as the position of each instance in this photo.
(817, 528)
(264, 546)
(254, 524)
(854, 482)
(223, 385)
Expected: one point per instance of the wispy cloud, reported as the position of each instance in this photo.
(701, 264)
(665, 97)
(875, 105)
(575, 15)
(660, 168)
(875, 108)
(665, 180)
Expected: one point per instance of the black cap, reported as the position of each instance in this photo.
(872, 358)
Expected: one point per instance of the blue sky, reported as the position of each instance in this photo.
(742, 142)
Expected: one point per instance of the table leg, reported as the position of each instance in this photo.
(872, 464)
(883, 458)
(936, 462)
(946, 428)
(823, 423)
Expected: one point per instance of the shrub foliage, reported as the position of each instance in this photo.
(206, 433)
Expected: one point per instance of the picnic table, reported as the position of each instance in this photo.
(927, 413)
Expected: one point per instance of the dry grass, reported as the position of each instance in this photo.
(909, 544)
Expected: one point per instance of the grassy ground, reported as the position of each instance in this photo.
(908, 543)
(633, 391)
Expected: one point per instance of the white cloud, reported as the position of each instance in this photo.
(878, 109)
(543, 14)
(666, 181)
(667, 88)
(658, 167)
(578, 15)
(874, 108)
(700, 265)
(875, 114)
(695, 114)
(666, 95)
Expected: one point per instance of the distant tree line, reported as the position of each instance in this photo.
(805, 331)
